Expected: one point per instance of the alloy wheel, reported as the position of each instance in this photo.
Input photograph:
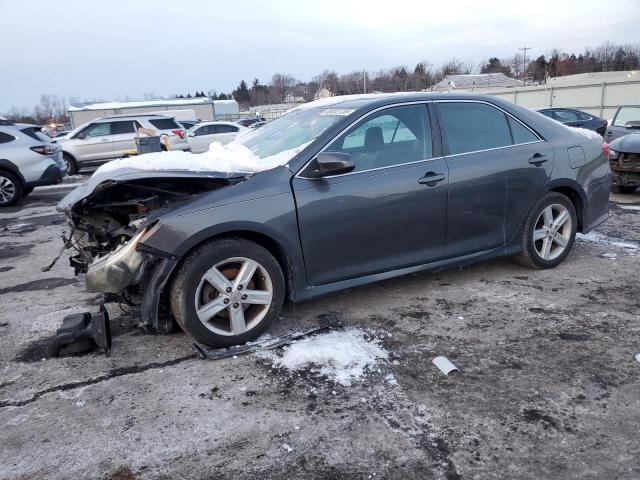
(233, 296)
(552, 232)
(7, 190)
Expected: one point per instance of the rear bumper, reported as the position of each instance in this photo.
(596, 208)
(52, 175)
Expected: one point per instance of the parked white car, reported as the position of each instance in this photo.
(104, 139)
(205, 133)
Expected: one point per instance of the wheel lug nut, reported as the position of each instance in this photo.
(244, 297)
(228, 289)
(235, 305)
(239, 287)
(226, 301)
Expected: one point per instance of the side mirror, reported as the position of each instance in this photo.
(330, 163)
(81, 136)
(632, 124)
(192, 134)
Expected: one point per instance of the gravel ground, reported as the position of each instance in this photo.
(548, 386)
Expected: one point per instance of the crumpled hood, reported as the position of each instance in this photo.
(101, 180)
(628, 144)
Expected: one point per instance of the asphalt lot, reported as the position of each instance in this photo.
(548, 388)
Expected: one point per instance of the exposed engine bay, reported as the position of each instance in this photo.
(116, 210)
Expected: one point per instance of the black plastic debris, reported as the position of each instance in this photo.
(82, 332)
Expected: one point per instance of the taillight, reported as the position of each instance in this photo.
(605, 149)
(180, 133)
(44, 149)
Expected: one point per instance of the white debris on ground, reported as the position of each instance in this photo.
(622, 246)
(342, 356)
(630, 207)
(232, 157)
(588, 133)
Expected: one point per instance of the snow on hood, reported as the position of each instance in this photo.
(629, 143)
(588, 133)
(232, 157)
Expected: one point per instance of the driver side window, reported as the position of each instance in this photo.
(389, 137)
(97, 130)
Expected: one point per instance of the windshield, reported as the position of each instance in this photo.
(291, 130)
(627, 114)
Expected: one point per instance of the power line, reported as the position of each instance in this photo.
(524, 58)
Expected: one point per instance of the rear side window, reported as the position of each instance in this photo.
(471, 127)
(520, 133)
(165, 124)
(6, 138)
(225, 128)
(204, 130)
(122, 127)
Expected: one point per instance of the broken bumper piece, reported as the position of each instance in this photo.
(82, 332)
(118, 270)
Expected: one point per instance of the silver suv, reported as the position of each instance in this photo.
(28, 159)
(104, 139)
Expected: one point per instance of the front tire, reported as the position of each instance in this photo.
(72, 167)
(11, 190)
(625, 190)
(227, 292)
(549, 232)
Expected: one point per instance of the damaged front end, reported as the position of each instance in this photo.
(108, 217)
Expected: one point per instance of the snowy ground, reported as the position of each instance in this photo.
(548, 386)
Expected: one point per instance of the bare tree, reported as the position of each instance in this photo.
(281, 83)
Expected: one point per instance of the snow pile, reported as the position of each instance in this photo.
(630, 207)
(232, 157)
(588, 133)
(341, 356)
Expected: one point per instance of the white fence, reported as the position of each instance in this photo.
(600, 98)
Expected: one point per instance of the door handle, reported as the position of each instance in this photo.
(105, 139)
(431, 178)
(538, 159)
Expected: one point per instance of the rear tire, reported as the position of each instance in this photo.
(11, 189)
(227, 292)
(625, 190)
(549, 232)
(72, 167)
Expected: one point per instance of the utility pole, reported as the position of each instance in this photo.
(524, 58)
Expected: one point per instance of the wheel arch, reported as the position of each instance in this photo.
(574, 192)
(10, 167)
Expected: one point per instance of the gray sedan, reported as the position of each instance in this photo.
(365, 188)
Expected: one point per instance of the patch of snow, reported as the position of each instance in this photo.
(287, 447)
(232, 157)
(330, 101)
(599, 238)
(143, 103)
(342, 356)
(630, 207)
(391, 380)
(81, 403)
(588, 133)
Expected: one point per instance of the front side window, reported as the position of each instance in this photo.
(97, 130)
(627, 114)
(470, 127)
(122, 127)
(204, 130)
(390, 137)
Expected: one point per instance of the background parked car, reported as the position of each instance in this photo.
(188, 124)
(27, 159)
(624, 159)
(253, 126)
(576, 118)
(204, 134)
(625, 121)
(245, 122)
(104, 139)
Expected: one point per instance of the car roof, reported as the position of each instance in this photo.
(219, 122)
(131, 117)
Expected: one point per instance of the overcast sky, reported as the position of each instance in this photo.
(116, 49)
